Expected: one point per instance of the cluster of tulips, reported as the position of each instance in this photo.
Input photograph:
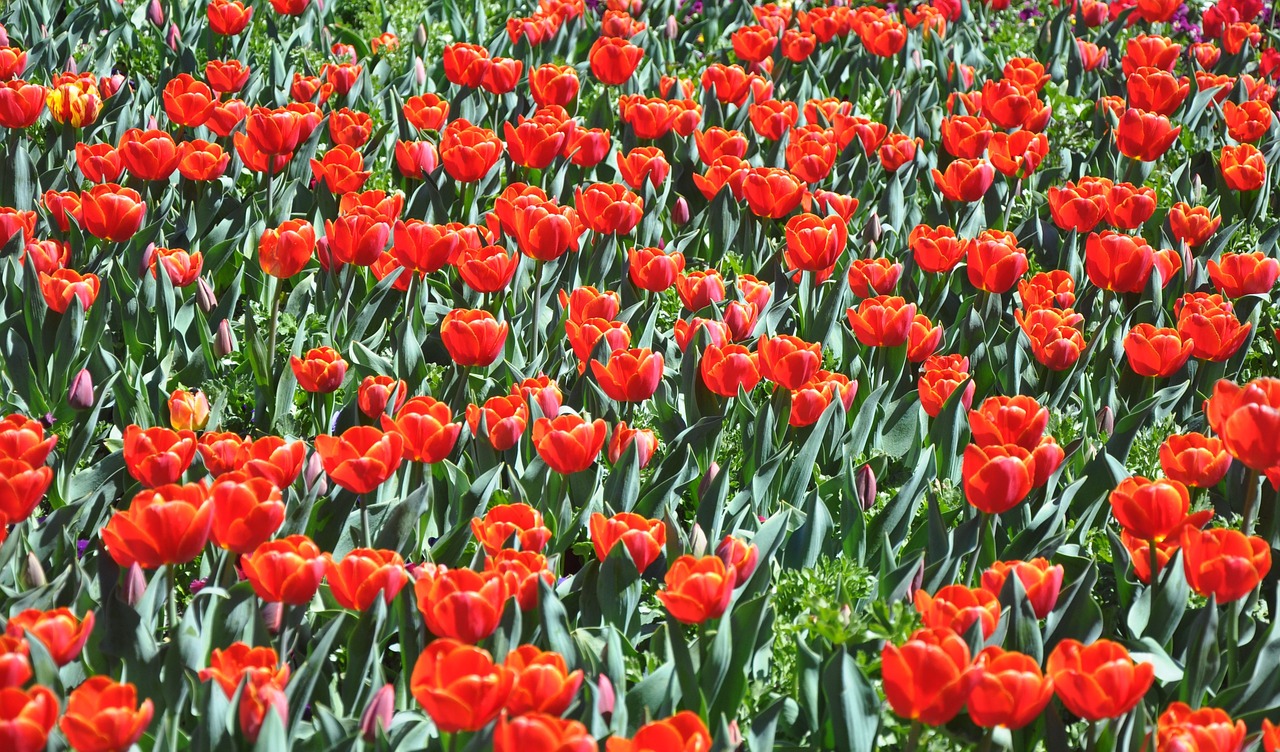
(466, 389)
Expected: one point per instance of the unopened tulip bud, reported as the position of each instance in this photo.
(698, 541)
(672, 27)
(80, 394)
(155, 14)
(204, 295)
(605, 697)
(377, 714)
(273, 616)
(680, 212)
(735, 735)
(313, 476)
(171, 38)
(896, 96)
(708, 479)
(864, 483)
(872, 232)
(420, 36)
(1106, 420)
(135, 585)
(71, 66)
(223, 343)
(916, 581)
(1187, 258)
(4, 36)
(35, 572)
(152, 124)
(148, 255)
(419, 71)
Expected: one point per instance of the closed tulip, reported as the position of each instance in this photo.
(1010, 691)
(614, 60)
(1240, 274)
(504, 418)
(937, 250)
(375, 395)
(1156, 352)
(110, 212)
(543, 683)
(882, 321)
(21, 104)
(261, 695)
(468, 152)
(320, 371)
(643, 538)
(287, 571)
(1243, 167)
(61, 633)
(996, 262)
(608, 208)
(1215, 333)
(188, 102)
(683, 731)
(653, 269)
(340, 169)
(157, 456)
(460, 604)
(1224, 563)
(103, 716)
(789, 361)
(771, 192)
(247, 512)
(1194, 459)
(1041, 581)
(274, 459)
(929, 677)
(1098, 681)
(814, 244)
(64, 285)
(362, 458)
(1118, 262)
(568, 443)
(27, 718)
(426, 428)
(1144, 136)
(460, 686)
(629, 375)
(997, 477)
(957, 607)
(507, 522)
(15, 661)
(698, 589)
(1150, 509)
(167, 524)
(364, 575)
(1129, 206)
(936, 386)
(964, 180)
(728, 368)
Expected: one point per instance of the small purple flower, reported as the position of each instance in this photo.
(81, 546)
(197, 585)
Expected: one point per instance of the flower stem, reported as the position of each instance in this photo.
(1250, 501)
(913, 736)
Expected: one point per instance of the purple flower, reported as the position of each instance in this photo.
(197, 585)
(81, 546)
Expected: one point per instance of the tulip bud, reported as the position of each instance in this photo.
(872, 232)
(4, 36)
(864, 483)
(672, 28)
(197, 585)
(35, 572)
(698, 541)
(223, 343)
(420, 36)
(680, 212)
(916, 581)
(80, 394)
(135, 584)
(152, 124)
(148, 255)
(896, 96)
(171, 38)
(708, 479)
(205, 298)
(735, 735)
(419, 71)
(1188, 259)
(377, 714)
(313, 477)
(917, 60)
(605, 698)
(71, 66)
(273, 616)
(155, 14)
(1106, 420)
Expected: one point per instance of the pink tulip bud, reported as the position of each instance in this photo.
(605, 697)
(698, 541)
(35, 572)
(148, 254)
(273, 616)
(680, 212)
(152, 123)
(134, 586)
(205, 298)
(223, 343)
(1106, 420)
(378, 713)
(313, 476)
(735, 735)
(80, 394)
(872, 232)
(155, 14)
(172, 37)
(896, 96)
(708, 479)
(419, 71)
(420, 36)
(864, 483)
(4, 36)
(672, 27)
(917, 580)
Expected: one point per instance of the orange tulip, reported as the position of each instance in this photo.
(363, 576)
(1098, 681)
(928, 678)
(362, 458)
(697, 589)
(288, 570)
(103, 715)
(460, 604)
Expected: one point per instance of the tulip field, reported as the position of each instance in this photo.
(639, 375)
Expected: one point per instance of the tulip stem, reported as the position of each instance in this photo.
(1233, 631)
(1153, 553)
(284, 635)
(171, 601)
(913, 736)
(987, 735)
(1091, 734)
(1250, 501)
(972, 570)
(535, 324)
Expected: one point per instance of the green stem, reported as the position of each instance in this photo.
(171, 599)
(535, 324)
(985, 746)
(1233, 632)
(913, 736)
(1250, 501)
(972, 570)
(1154, 554)
(1092, 734)
(284, 634)
(364, 523)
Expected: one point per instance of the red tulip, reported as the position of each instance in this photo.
(928, 678)
(103, 715)
(568, 443)
(1098, 681)
(460, 604)
(362, 458)
(1224, 563)
(698, 589)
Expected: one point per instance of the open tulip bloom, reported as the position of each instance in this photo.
(636, 376)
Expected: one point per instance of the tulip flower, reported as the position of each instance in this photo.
(320, 371)
(938, 381)
(1011, 691)
(928, 678)
(1223, 563)
(698, 589)
(1041, 581)
(28, 717)
(1156, 352)
(682, 731)
(728, 368)
(274, 459)
(62, 634)
(1243, 167)
(1240, 274)
(104, 715)
(288, 570)
(1194, 459)
(1098, 681)
(882, 321)
(1247, 418)
(362, 458)
(643, 538)
(629, 375)
(460, 604)
(541, 731)
(1180, 727)
(957, 607)
(505, 522)
(247, 512)
(364, 575)
(568, 443)
(543, 683)
(1144, 136)
(228, 667)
